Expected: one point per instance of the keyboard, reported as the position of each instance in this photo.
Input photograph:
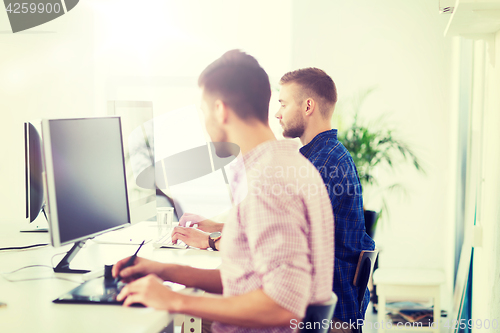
(166, 241)
(132, 235)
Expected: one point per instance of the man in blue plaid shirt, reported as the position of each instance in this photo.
(307, 99)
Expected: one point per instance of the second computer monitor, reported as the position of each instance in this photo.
(85, 177)
(33, 175)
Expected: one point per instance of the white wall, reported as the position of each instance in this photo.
(486, 269)
(399, 47)
(114, 49)
(44, 72)
(169, 47)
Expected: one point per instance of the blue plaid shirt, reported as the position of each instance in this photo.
(339, 173)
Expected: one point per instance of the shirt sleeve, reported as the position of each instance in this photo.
(277, 236)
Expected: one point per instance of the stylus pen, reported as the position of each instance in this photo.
(130, 261)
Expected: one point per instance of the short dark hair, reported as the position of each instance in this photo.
(238, 80)
(314, 81)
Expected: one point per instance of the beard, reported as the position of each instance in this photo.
(225, 149)
(222, 147)
(295, 129)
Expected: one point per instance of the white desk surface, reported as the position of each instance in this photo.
(29, 303)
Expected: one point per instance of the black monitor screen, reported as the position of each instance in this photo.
(89, 176)
(33, 171)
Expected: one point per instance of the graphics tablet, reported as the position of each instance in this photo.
(96, 291)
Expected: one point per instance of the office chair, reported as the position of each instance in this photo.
(316, 313)
(363, 271)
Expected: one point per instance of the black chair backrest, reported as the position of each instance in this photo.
(315, 314)
(363, 271)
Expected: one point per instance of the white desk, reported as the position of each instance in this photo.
(29, 303)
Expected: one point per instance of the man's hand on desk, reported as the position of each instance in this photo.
(191, 236)
(203, 223)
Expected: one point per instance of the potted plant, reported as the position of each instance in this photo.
(374, 146)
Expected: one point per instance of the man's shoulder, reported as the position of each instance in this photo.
(281, 152)
(288, 170)
(332, 153)
(282, 160)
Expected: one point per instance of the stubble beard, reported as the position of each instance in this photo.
(295, 130)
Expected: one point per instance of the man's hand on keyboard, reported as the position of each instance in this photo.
(191, 236)
(203, 223)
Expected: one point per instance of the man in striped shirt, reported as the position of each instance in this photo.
(277, 250)
(307, 99)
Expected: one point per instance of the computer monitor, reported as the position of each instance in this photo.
(138, 146)
(33, 172)
(85, 181)
(147, 187)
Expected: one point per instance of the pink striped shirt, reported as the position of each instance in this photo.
(279, 237)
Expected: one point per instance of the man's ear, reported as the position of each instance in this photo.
(221, 112)
(310, 106)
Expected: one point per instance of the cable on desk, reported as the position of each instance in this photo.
(22, 247)
(20, 269)
(43, 278)
(57, 254)
(63, 253)
(32, 279)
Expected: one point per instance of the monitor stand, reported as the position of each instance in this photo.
(63, 266)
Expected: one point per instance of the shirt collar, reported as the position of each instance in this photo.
(319, 141)
(268, 147)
